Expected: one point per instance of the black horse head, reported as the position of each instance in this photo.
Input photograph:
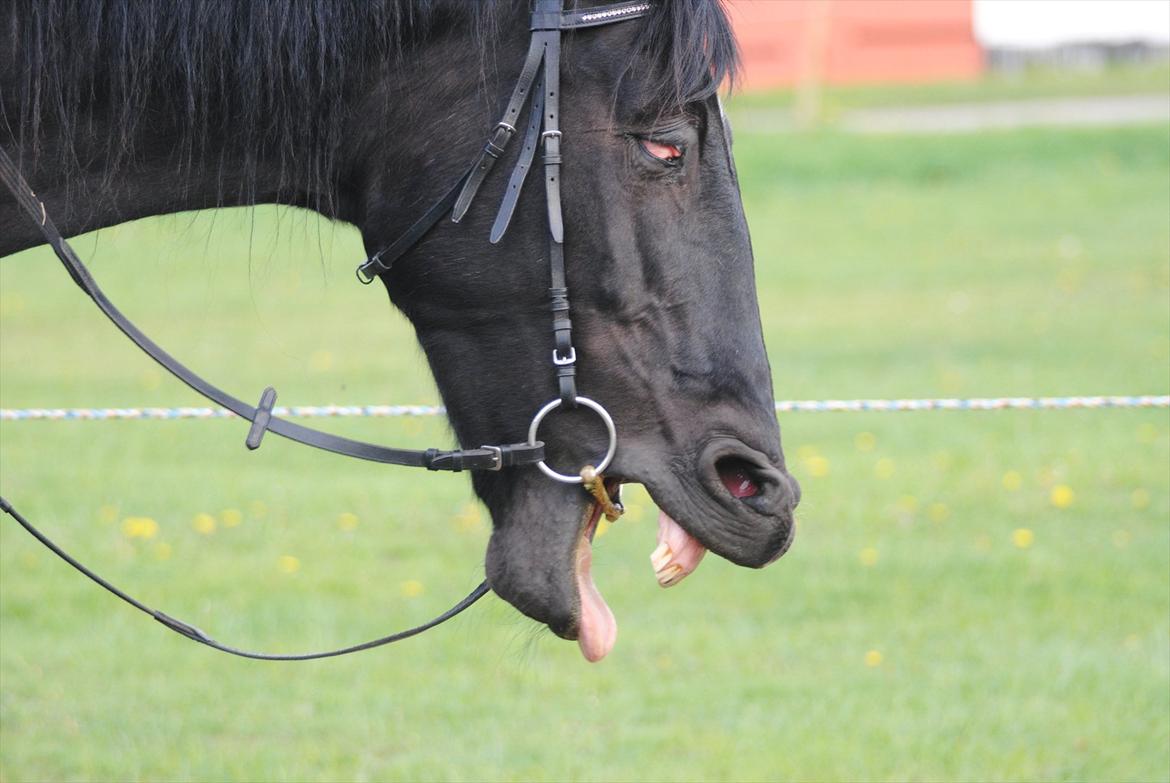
(368, 112)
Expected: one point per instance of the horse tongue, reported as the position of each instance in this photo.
(597, 630)
(678, 552)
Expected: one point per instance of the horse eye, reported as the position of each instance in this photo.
(667, 153)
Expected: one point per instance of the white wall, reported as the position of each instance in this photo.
(1040, 23)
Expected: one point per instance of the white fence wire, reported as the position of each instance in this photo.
(782, 406)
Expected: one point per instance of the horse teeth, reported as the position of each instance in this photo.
(661, 556)
(670, 576)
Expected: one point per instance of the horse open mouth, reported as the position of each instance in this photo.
(677, 555)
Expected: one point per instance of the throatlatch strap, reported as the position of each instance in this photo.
(382, 261)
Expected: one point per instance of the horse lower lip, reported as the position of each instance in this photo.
(597, 627)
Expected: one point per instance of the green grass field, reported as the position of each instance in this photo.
(971, 596)
(1035, 83)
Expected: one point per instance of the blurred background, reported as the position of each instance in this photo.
(948, 198)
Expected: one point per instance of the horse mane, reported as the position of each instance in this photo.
(693, 46)
(264, 75)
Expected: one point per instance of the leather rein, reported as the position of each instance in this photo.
(538, 86)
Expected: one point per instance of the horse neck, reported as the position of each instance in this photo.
(104, 191)
(402, 138)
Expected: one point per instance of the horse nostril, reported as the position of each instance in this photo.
(761, 488)
(732, 470)
(738, 476)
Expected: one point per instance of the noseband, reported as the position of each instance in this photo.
(539, 87)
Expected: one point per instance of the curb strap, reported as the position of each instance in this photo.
(483, 458)
(196, 635)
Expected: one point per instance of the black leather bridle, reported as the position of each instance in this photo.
(538, 86)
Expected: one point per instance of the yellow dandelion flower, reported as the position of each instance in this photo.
(347, 520)
(288, 564)
(1121, 538)
(817, 467)
(163, 551)
(1140, 499)
(873, 659)
(231, 517)
(412, 588)
(884, 468)
(603, 526)
(864, 441)
(139, 527)
(1012, 480)
(257, 509)
(908, 503)
(108, 514)
(1061, 496)
(868, 556)
(938, 512)
(1022, 537)
(320, 361)
(204, 524)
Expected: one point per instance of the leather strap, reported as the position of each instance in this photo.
(196, 635)
(564, 356)
(382, 261)
(497, 143)
(523, 164)
(484, 458)
(551, 137)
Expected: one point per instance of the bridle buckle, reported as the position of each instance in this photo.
(497, 457)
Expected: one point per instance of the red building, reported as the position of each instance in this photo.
(785, 42)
